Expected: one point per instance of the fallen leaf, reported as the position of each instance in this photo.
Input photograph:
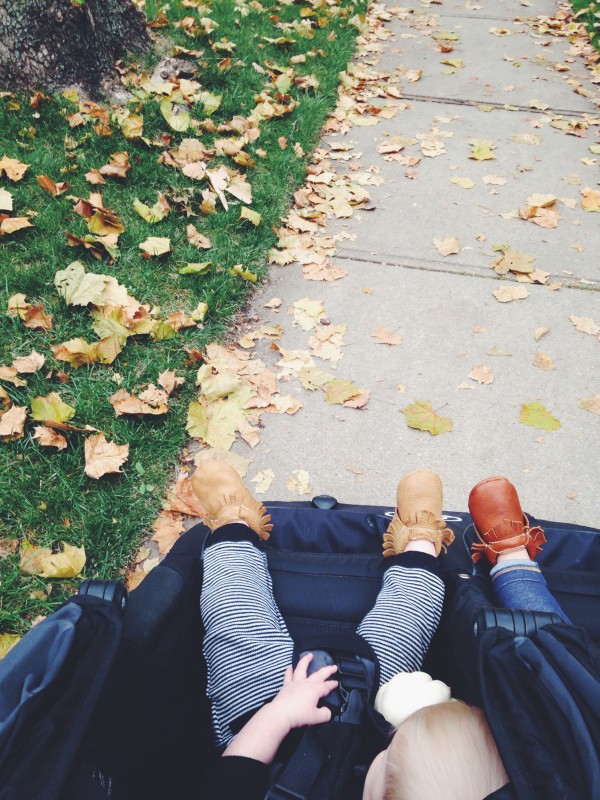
(300, 483)
(197, 239)
(14, 169)
(274, 303)
(13, 224)
(118, 166)
(481, 374)
(447, 246)
(43, 562)
(263, 481)
(52, 408)
(420, 415)
(103, 457)
(339, 391)
(76, 352)
(178, 118)
(30, 363)
(307, 313)
(591, 403)
(158, 212)
(195, 268)
(386, 336)
(152, 401)
(167, 528)
(537, 416)
(7, 642)
(513, 261)
(539, 332)
(496, 351)
(6, 200)
(12, 423)
(505, 294)
(169, 381)
(252, 216)
(156, 246)
(591, 199)
(494, 180)
(55, 189)
(481, 149)
(585, 325)
(466, 183)
(543, 361)
(49, 437)
(244, 273)
(10, 375)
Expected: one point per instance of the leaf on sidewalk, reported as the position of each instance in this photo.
(505, 294)
(482, 374)
(537, 416)
(591, 403)
(420, 415)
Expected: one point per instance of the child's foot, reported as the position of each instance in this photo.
(226, 499)
(499, 522)
(418, 514)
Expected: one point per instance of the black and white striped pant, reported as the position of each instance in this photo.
(247, 645)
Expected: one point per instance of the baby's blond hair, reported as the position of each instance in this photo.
(443, 752)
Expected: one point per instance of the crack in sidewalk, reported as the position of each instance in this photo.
(457, 101)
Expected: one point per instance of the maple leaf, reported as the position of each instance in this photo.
(51, 407)
(118, 166)
(103, 457)
(158, 212)
(537, 416)
(30, 363)
(167, 529)
(169, 381)
(76, 352)
(80, 288)
(420, 415)
(299, 482)
(153, 402)
(49, 437)
(466, 183)
(10, 374)
(339, 391)
(14, 169)
(263, 481)
(513, 261)
(313, 377)
(12, 423)
(481, 149)
(591, 404)
(182, 500)
(252, 216)
(43, 562)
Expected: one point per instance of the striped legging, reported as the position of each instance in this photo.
(247, 645)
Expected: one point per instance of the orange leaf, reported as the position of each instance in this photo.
(167, 529)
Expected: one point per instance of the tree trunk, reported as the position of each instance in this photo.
(51, 44)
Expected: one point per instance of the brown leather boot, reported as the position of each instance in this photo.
(226, 499)
(499, 521)
(418, 514)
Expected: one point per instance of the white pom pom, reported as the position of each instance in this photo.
(407, 692)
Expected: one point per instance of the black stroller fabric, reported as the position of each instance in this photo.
(149, 736)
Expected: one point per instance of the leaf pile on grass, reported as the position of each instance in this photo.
(588, 12)
(129, 238)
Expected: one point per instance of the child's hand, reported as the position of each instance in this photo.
(298, 698)
(293, 707)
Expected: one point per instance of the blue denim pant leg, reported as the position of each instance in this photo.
(520, 584)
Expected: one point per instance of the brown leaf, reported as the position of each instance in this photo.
(30, 363)
(197, 239)
(507, 293)
(591, 404)
(481, 374)
(118, 166)
(543, 361)
(169, 381)
(55, 189)
(386, 336)
(167, 529)
(76, 352)
(149, 402)
(10, 374)
(103, 457)
(447, 246)
(14, 169)
(13, 224)
(539, 332)
(12, 423)
(585, 325)
(94, 177)
(49, 437)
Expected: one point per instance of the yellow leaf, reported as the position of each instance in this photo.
(252, 216)
(76, 352)
(103, 457)
(197, 239)
(158, 212)
(313, 378)
(43, 562)
(7, 642)
(481, 149)
(156, 246)
(420, 415)
(466, 183)
(537, 416)
(338, 391)
(263, 481)
(51, 408)
(178, 118)
(238, 269)
(132, 125)
(591, 199)
(195, 268)
(108, 348)
(514, 261)
(79, 288)
(300, 483)
(49, 437)
(118, 166)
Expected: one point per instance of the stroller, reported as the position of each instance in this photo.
(106, 698)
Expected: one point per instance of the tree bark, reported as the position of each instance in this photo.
(52, 44)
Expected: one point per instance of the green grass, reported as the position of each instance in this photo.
(46, 497)
(588, 12)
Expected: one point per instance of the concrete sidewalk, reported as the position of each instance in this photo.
(530, 95)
